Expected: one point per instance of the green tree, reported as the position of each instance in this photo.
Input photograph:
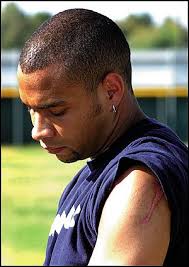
(37, 19)
(171, 34)
(16, 26)
(135, 22)
(13, 27)
(141, 32)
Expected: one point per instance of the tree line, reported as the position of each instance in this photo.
(140, 30)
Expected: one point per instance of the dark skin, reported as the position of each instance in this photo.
(81, 125)
(134, 227)
(72, 123)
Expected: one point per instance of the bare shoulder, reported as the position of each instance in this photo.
(136, 193)
(139, 187)
(135, 222)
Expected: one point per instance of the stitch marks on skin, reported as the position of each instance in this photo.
(156, 199)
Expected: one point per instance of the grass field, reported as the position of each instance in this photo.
(32, 182)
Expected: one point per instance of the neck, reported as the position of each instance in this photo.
(123, 121)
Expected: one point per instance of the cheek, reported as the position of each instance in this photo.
(73, 125)
(83, 125)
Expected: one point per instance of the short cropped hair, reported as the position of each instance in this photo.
(88, 46)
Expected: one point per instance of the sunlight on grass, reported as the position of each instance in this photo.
(32, 183)
(11, 256)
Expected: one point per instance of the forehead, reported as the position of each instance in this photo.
(46, 85)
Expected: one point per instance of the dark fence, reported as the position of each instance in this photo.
(173, 111)
(159, 80)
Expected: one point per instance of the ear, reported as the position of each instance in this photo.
(114, 88)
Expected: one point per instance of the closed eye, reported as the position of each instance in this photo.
(59, 113)
(54, 113)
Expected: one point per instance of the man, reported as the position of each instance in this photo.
(128, 205)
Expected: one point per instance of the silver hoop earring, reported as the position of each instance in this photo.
(114, 109)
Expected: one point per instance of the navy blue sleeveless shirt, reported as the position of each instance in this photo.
(74, 231)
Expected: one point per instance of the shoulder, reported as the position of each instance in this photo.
(135, 220)
(135, 192)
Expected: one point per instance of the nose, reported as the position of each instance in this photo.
(41, 128)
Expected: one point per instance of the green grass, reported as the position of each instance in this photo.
(32, 183)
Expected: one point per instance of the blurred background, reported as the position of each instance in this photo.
(32, 180)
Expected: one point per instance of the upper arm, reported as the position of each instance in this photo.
(134, 228)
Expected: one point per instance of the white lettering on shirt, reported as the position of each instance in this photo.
(64, 220)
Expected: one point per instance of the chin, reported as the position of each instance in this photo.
(69, 158)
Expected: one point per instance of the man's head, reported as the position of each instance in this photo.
(71, 72)
(86, 44)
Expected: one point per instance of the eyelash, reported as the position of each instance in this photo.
(52, 113)
(57, 114)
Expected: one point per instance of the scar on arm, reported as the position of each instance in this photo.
(158, 194)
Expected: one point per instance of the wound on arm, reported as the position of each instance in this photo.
(158, 194)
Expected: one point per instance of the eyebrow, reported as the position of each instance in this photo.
(47, 105)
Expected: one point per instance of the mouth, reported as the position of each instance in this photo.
(54, 150)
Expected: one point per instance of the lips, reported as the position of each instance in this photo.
(54, 150)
